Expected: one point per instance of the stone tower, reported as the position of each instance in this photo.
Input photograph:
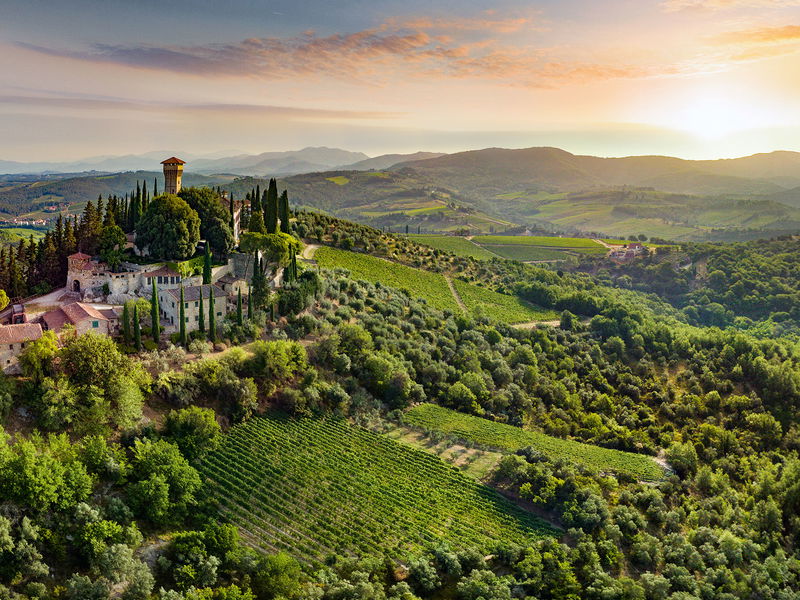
(173, 171)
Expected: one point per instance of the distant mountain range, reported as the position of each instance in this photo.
(493, 189)
(497, 170)
(268, 164)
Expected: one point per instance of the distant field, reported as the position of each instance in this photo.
(317, 487)
(524, 253)
(498, 435)
(17, 233)
(454, 244)
(535, 240)
(339, 180)
(501, 307)
(420, 284)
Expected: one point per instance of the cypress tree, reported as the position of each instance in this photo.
(212, 317)
(202, 312)
(155, 187)
(154, 316)
(183, 320)
(231, 209)
(256, 224)
(126, 324)
(284, 211)
(271, 208)
(145, 198)
(239, 316)
(207, 265)
(250, 304)
(137, 329)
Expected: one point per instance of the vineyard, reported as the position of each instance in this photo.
(317, 487)
(581, 245)
(501, 307)
(420, 284)
(527, 253)
(499, 435)
(432, 287)
(454, 244)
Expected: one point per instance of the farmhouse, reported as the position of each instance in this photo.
(170, 300)
(13, 339)
(83, 317)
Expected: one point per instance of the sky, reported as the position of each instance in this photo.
(689, 78)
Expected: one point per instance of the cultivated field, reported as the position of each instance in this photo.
(455, 244)
(317, 487)
(528, 253)
(501, 307)
(543, 241)
(498, 435)
(420, 284)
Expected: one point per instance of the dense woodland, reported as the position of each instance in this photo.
(99, 467)
(752, 286)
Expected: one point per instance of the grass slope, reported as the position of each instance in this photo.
(528, 253)
(501, 307)
(499, 435)
(315, 487)
(454, 244)
(421, 284)
(536, 240)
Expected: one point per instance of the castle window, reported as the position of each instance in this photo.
(95, 324)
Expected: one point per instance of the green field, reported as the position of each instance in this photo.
(420, 284)
(499, 435)
(528, 253)
(501, 307)
(454, 244)
(339, 180)
(14, 234)
(535, 240)
(316, 487)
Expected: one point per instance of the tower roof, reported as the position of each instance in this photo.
(173, 161)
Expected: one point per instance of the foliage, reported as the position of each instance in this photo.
(169, 230)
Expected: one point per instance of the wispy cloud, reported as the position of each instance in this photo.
(411, 47)
(763, 35)
(112, 104)
(714, 5)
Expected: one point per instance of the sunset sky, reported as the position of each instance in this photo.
(692, 78)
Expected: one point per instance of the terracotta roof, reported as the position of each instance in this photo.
(80, 255)
(192, 293)
(173, 161)
(162, 272)
(23, 332)
(71, 313)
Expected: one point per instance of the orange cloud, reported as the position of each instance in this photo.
(713, 5)
(420, 47)
(764, 35)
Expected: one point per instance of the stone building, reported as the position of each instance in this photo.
(13, 340)
(83, 317)
(170, 300)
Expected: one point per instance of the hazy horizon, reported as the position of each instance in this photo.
(688, 78)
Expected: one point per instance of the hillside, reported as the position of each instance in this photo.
(384, 161)
(496, 170)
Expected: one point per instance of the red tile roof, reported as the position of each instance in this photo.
(71, 313)
(80, 255)
(173, 161)
(23, 332)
